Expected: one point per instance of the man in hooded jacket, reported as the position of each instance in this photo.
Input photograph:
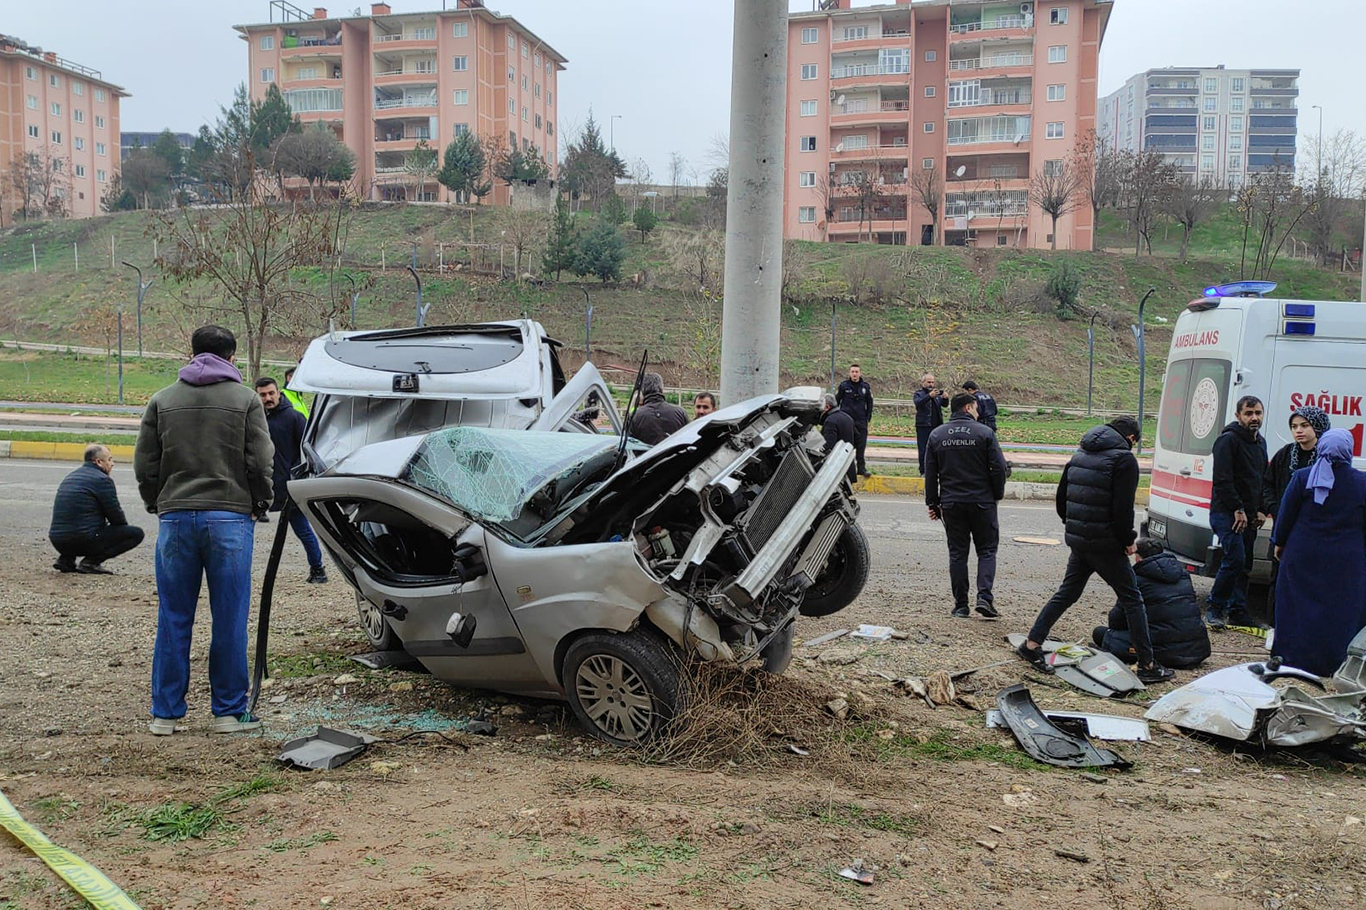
(655, 419)
(1174, 624)
(1234, 511)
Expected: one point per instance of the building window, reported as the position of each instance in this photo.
(931, 56)
(1211, 84)
(1235, 124)
(1054, 130)
(1236, 103)
(549, 129)
(1057, 15)
(538, 121)
(1057, 92)
(549, 97)
(78, 115)
(424, 33)
(78, 88)
(1211, 103)
(1235, 162)
(512, 75)
(810, 36)
(267, 42)
(809, 71)
(525, 83)
(855, 32)
(1208, 123)
(808, 143)
(101, 149)
(929, 126)
(512, 42)
(311, 72)
(1052, 168)
(1207, 161)
(1238, 84)
(1208, 143)
(806, 178)
(808, 108)
(80, 170)
(54, 80)
(102, 176)
(538, 90)
(927, 164)
(526, 51)
(32, 102)
(929, 91)
(56, 137)
(536, 60)
(512, 106)
(268, 74)
(33, 131)
(525, 115)
(30, 73)
(56, 109)
(78, 143)
(460, 130)
(460, 29)
(461, 63)
(1057, 53)
(851, 142)
(806, 214)
(462, 96)
(99, 94)
(99, 121)
(1235, 143)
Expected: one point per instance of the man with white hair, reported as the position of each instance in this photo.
(87, 520)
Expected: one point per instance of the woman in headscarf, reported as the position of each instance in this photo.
(1307, 424)
(1320, 539)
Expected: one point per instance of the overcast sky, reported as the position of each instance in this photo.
(664, 67)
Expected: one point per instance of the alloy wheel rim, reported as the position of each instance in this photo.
(615, 697)
(372, 618)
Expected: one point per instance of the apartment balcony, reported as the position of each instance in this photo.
(996, 27)
(409, 76)
(404, 143)
(1008, 100)
(1171, 90)
(400, 41)
(1002, 63)
(333, 82)
(871, 74)
(420, 102)
(888, 112)
(311, 46)
(873, 41)
(897, 153)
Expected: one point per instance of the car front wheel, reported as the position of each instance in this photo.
(625, 688)
(377, 629)
(846, 572)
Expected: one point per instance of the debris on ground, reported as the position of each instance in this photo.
(1019, 797)
(1046, 742)
(1108, 727)
(324, 750)
(1038, 541)
(858, 871)
(827, 637)
(1091, 670)
(986, 844)
(873, 633)
(1074, 855)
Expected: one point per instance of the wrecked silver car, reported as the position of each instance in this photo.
(1241, 703)
(567, 564)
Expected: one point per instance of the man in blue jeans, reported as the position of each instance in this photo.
(1235, 511)
(203, 465)
(287, 434)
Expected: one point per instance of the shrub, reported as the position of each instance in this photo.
(1064, 287)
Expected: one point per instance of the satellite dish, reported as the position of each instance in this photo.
(962, 169)
(840, 147)
(839, 100)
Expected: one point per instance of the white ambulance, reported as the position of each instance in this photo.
(1236, 341)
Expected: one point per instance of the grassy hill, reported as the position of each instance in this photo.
(959, 312)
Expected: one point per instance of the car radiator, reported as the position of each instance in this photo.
(776, 499)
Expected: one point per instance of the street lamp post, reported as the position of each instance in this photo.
(142, 289)
(1318, 165)
(1091, 360)
(1142, 364)
(832, 346)
(120, 352)
(612, 130)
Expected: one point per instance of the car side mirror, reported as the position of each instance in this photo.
(469, 562)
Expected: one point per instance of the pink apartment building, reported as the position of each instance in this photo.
(386, 81)
(65, 113)
(981, 92)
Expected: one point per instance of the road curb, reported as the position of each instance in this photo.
(1016, 490)
(56, 451)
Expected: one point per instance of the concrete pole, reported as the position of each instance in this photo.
(754, 201)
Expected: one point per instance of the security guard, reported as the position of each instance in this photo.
(965, 476)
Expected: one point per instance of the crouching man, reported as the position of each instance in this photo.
(1175, 626)
(87, 520)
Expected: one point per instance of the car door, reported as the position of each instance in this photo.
(583, 402)
(421, 561)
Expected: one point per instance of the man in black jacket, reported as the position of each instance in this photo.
(986, 405)
(1235, 511)
(87, 520)
(965, 476)
(655, 419)
(838, 426)
(1174, 624)
(855, 397)
(287, 433)
(1095, 500)
(929, 413)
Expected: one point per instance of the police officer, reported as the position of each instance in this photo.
(986, 405)
(855, 397)
(837, 426)
(965, 476)
(929, 413)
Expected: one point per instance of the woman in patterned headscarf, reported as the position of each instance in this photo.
(1307, 424)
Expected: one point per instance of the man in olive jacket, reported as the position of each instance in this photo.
(203, 465)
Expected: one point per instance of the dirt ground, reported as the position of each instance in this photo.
(945, 812)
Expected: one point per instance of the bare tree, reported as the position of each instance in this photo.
(828, 191)
(640, 180)
(24, 173)
(678, 167)
(525, 230)
(1333, 179)
(697, 258)
(1271, 206)
(864, 184)
(1145, 178)
(1053, 188)
(1189, 202)
(421, 164)
(316, 155)
(927, 189)
(1097, 172)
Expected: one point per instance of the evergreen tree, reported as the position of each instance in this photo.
(590, 167)
(614, 209)
(561, 245)
(270, 119)
(600, 252)
(462, 167)
(645, 221)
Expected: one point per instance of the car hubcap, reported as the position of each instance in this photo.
(615, 698)
(372, 618)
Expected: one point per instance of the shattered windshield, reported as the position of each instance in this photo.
(514, 479)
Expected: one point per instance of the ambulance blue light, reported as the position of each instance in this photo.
(1303, 310)
(1241, 289)
(1299, 328)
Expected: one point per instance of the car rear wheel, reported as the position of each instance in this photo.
(377, 629)
(846, 572)
(625, 688)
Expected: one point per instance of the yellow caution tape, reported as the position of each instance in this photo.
(89, 882)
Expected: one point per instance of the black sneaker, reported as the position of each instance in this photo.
(86, 567)
(1154, 674)
(263, 519)
(1215, 619)
(1034, 657)
(1098, 635)
(317, 575)
(65, 564)
(987, 610)
(961, 612)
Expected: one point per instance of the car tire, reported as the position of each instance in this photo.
(846, 572)
(777, 654)
(378, 632)
(643, 666)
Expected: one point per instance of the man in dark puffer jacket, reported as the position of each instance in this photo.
(1175, 626)
(1095, 500)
